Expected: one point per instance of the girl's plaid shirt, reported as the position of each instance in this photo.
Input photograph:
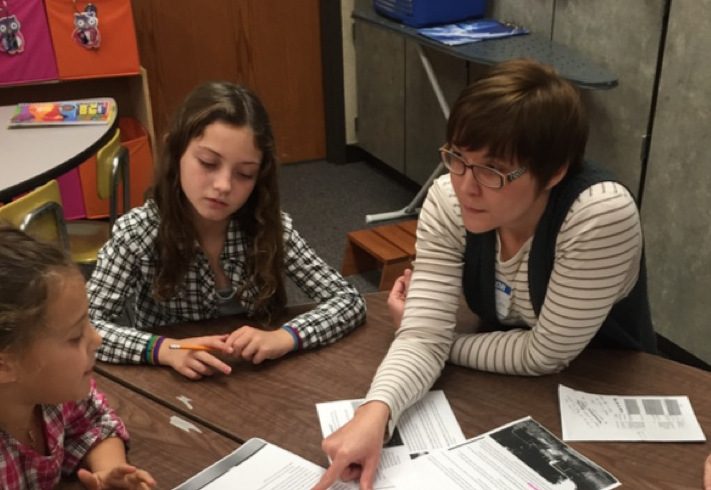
(126, 266)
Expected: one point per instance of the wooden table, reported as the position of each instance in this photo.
(33, 156)
(276, 401)
(169, 453)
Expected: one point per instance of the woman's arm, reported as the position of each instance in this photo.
(597, 259)
(421, 345)
(423, 341)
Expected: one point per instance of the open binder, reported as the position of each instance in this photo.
(256, 465)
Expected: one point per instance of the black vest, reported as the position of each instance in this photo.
(628, 324)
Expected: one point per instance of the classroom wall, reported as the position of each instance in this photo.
(624, 38)
(676, 210)
(602, 32)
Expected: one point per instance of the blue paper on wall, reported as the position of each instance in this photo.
(471, 32)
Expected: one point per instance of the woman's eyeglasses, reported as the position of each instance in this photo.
(486, 176)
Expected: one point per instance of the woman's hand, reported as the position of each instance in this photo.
(398, 294)
(354, 449)
(255, 345)
(707, 473)
(195, 364)
(121, 477)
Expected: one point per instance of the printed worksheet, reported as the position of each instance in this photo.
(591, 417)
(272, 468)
(427, 425)
(516, 456)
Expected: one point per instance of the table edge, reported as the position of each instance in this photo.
(8, 193)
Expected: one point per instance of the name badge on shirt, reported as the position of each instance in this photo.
(503, 299)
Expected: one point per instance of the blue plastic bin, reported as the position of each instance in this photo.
(421, 13)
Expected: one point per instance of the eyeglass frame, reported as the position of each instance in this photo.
(504, 178)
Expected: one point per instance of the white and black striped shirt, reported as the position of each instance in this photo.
(597, 258)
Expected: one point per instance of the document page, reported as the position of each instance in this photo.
(590, 417)
(428, 424)
(273, 468)
(520, 455)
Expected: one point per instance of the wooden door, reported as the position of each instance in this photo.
(272, 46)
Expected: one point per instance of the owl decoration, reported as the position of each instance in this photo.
(11, 39)
(86, 28)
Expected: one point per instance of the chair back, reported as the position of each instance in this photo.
(112, 169)
(39, 213)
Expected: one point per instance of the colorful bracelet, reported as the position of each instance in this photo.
(150, 354)
(297, 341)
(156, 349)
(149, 349)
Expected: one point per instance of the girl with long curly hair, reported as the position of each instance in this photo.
(213, 242)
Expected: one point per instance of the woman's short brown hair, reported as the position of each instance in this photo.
(523, 112)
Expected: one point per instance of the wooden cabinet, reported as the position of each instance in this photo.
(272, 46)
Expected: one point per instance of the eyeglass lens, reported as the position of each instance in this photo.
(484, 175)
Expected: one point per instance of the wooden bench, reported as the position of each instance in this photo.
(390, 248)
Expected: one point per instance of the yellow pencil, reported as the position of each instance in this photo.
(190, 347)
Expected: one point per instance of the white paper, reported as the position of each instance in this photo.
(520, 455)
(427, 425)
(273, 468)
(590, 417)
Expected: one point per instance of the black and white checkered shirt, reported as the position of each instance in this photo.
(126, 267)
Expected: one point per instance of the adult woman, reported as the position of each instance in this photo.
(546, 248)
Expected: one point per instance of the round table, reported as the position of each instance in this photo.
(32, 156)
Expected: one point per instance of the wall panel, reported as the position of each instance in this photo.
(624, 38)
(380, 68)
(676, 211)
(425, 124)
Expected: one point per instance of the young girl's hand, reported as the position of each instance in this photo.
(255, 345)
(121, 477)
(195, 364)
